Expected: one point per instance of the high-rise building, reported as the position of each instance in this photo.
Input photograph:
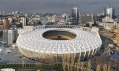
(1, 27)
(10, 36)
(109, 12)
(15, 35)
(5, 36)
(23, 21)
(75, 15)
(5, 23)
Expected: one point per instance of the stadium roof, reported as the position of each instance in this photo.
(34, 41)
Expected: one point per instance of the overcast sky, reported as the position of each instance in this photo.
(60, 6)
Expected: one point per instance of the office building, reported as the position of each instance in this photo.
(10, 37)
(15, 35)
(109, 12)
(75, 15)
(23, 20)
(5, 36)
(5, 24)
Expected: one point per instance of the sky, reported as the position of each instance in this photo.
(58, 6)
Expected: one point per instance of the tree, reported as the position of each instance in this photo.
(104, 67)
(89, 66)
(98, 68)
(109, 67)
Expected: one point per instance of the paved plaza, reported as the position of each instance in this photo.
(11, 55)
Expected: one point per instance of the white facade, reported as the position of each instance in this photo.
(23, 21)
(54, 18)
(64, 17)
(107, 19)
(33, 44)
(25, 30)
(109, 23)
(7, 69)
(10, 37)
(10, 19)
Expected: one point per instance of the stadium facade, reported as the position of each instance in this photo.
(56, 42)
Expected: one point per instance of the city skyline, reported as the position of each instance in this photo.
(59, 6)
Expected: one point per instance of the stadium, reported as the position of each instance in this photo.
(55, 43)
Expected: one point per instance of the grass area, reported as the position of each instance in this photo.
(56, 67)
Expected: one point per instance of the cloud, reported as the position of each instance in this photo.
(85, 6)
